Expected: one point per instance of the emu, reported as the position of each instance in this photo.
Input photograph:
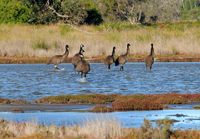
(110, 59)
(149, 60)
(122, 59)
(57, 59)
(83, 67)
(77, 57)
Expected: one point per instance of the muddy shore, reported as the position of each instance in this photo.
(104, 103)
(99, 59)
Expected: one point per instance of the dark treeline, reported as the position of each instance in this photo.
(97, 11)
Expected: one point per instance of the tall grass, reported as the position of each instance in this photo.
(102, 128)
(48, 40)
(99, 128)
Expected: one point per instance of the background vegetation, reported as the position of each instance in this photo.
(97, 11)
(170, 39)
(99, 24)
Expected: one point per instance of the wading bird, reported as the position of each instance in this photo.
(77, 57)
(122, 59)
(110, 59)
(149, 60)
(57, 59)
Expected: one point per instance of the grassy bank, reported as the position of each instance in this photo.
(99, 59)
(123, 102)
(100, 128)
(178, 40)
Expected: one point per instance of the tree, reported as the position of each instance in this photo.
(145, 11)
(14, 11)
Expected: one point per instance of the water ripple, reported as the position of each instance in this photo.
(31, 81)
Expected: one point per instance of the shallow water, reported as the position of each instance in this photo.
(189, 120)
(31, 81)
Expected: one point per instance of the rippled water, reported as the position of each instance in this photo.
(31, 81)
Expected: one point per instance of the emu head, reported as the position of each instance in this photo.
(66, 46)
(81, 46)
(81, 49)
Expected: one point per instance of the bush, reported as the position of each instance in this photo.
(94, 17)
(14, 11)
(190, 10)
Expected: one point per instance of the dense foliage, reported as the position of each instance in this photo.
(14, 11)
(97, 11)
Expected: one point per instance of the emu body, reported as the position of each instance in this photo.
(122, 59)
(149, 60)
(110, 59)
(83, 67)
(77, 57)
(57, 59)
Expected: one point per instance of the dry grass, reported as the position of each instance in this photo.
(100, 128)
(45, 41)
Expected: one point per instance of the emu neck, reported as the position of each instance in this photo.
(152, 52)
(66, 51)
(127, 51)
(113, 52)
(80, 51)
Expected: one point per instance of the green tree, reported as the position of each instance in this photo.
(14, 11)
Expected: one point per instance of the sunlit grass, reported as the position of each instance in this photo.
(169, 38)
(99, 128)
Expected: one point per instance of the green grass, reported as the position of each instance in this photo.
(78, 99)
(40, 44)
(197, 107)
(117, 26)
(65, 29)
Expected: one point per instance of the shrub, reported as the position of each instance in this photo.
(93, 17)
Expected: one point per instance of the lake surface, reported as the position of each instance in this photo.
(32, 81)
(187, 119)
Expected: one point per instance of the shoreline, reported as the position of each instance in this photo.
(32, 108)
(99, 59)
(104, 102)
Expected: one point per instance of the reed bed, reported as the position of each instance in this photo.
(100, 128)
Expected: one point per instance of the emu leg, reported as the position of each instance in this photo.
(122, 68)
(108, 66)
(150, 67)
(75, 69)
(147, 67)
(56, 67)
